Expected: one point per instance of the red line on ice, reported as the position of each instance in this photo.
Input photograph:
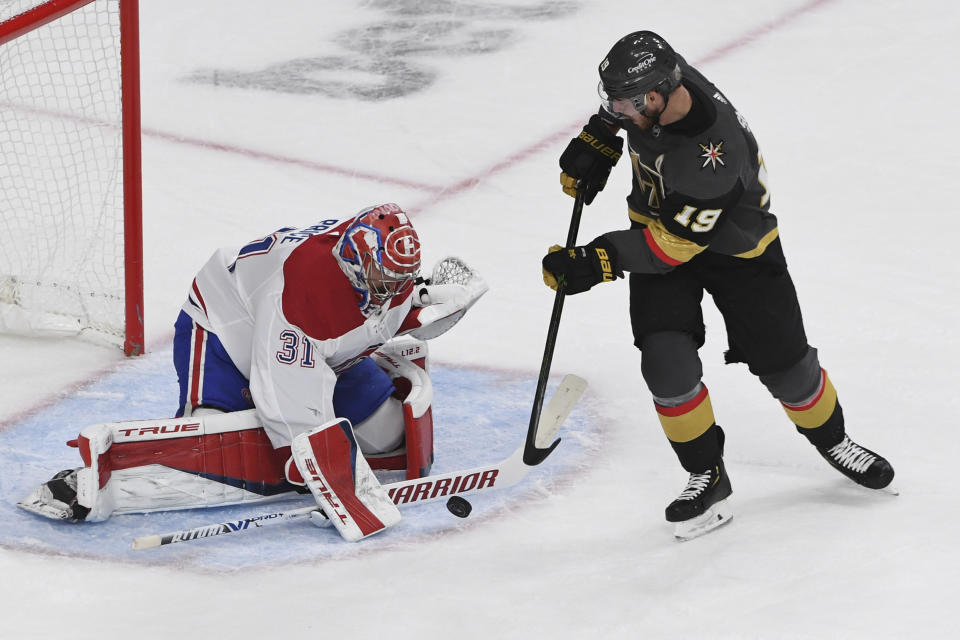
(439, 193)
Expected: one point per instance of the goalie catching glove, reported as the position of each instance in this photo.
(442, 300)
(579, 268)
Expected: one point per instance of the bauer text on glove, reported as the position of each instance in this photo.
(579, 268)
(588, 159)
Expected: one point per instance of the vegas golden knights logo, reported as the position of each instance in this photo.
(649, 179)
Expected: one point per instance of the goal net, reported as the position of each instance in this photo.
(70, 247)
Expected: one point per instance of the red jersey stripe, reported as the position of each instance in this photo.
(657, 251)
(196, 292)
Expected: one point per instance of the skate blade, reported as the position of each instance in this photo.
(890, 490)
(718, 515)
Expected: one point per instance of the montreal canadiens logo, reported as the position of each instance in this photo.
(402, 250)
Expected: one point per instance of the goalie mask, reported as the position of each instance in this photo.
(379, 252)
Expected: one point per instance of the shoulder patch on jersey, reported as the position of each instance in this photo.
(712, 155)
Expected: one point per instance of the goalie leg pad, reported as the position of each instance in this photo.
(406, 361)
(77, 494)
(183, 463)
(334, 469)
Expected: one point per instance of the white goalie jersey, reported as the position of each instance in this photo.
(290, 320)
(292, 311)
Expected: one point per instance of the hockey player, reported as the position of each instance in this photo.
(699, 221)
(290, 373)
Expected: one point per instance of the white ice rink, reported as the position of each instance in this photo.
(258, 115)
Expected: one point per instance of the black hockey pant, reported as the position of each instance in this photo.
(758, 302)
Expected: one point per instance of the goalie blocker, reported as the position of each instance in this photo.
(226, 458)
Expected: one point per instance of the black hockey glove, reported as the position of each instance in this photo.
(588, 159)
(581, 267)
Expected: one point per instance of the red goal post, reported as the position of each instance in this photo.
(71, 249)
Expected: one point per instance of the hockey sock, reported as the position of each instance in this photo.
(819, 418)
(692, 431)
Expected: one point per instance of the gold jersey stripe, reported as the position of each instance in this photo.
(761, 246)
(675, 247)
(651, 223)
(636, 216)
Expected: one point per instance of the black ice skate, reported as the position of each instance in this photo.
(859, 464)
(702, 506)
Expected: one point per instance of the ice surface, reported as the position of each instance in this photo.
(481, 417)
(459, 111)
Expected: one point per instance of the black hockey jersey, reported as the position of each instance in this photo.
(698, 184)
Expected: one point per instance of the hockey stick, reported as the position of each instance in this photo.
(532, 453)
(220, 528)
(404, 493)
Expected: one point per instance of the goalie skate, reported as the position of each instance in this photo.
(57, 498)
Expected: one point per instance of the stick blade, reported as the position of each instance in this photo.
(558, 408)
(146, 542)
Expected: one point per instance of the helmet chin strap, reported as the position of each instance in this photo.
(656, 118)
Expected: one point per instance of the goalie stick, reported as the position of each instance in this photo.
(405, 493)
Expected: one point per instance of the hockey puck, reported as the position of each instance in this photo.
(459, 507)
